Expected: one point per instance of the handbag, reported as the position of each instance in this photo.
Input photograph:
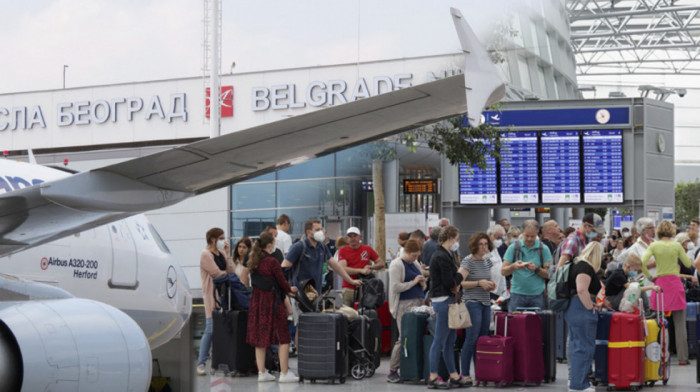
(458, 316)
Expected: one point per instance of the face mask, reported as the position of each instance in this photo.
(689, 246)
(220, 244)
(454, 246)
(631, 274)
(591, 235)
(319, 236)
(497, 243)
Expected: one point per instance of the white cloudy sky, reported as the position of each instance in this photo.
(106, 41)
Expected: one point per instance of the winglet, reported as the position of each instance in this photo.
(483, 84)
(30, 156)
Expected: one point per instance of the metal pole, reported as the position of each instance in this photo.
(64, 75)
(214, 87)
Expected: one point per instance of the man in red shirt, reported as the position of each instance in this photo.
(357, 258)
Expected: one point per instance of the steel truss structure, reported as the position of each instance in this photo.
(613, 37)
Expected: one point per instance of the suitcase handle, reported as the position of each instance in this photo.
(505, 327)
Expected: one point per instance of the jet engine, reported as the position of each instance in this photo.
(71, 345)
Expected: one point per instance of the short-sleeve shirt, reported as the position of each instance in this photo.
(524, 281)
(615, 283)
(582, 267)
(478, 269)
(311, 260)
(573, 244)
(356, 258)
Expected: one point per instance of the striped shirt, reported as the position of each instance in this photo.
(478, 269)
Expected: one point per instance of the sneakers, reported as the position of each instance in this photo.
(683, 363)
(201, 370)
(265, 377)
(437, 383)
(288, 377)
(589, 389)
(393, 377)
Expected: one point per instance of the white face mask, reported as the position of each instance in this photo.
(497, 243)
(319, 236)
(220, 244)
(626, 234)
(455, 246)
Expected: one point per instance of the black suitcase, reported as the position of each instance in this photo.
(412, 332)
(560, 337)
(323, 347)
(374, 338)
(549, 342)
(230, 352)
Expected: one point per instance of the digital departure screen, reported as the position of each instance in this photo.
(519, 170)
(561, 169)
(479, 186)
(602, 166)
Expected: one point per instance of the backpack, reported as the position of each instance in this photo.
(230, 293)
(558, 289)
(371, 294)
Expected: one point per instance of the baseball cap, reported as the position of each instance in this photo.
(595, 220)
(353, 230)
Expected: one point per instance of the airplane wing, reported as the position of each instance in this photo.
(41, 213)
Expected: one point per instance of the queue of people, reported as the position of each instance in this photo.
(504, 261)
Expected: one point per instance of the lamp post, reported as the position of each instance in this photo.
(64, 75)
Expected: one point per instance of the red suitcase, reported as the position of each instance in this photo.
(494, 359)
(528, 358)
(626, 351)
(385, 320)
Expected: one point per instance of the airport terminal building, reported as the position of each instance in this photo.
(89, 127)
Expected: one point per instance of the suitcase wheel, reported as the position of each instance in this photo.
(331, 380)
(301, 379)
(594, 382)
(357, 371)
(665, 382)
(342, 380)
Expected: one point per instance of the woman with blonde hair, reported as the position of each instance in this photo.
(666, 253)
(581, 315)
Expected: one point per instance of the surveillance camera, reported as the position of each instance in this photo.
(681, 92)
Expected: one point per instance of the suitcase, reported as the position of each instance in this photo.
(691, 328)
(230, 352)
(561, 334)
(442, 368)
(657, 358)
(600, 376)
(494, 359)
(323, 347)
(626, 351)
(374, 339)
(528, 360)
(548, 341)
(411, 359)
(385, 321)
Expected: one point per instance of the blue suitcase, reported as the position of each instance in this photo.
(601, 348)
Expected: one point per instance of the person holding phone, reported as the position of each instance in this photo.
(527, 260)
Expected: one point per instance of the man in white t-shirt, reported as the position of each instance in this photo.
(283, 239)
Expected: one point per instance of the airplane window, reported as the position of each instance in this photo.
(158, 239)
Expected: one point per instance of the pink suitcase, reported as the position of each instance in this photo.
(528, 358)
(494, 360)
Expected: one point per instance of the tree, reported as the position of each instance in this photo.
(687, 199)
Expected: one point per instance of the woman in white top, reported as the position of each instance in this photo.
(239, 255)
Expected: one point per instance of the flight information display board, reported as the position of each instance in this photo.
(419, 186)
(561, 167)
(602, 166)
(478, 186)
(519, 168)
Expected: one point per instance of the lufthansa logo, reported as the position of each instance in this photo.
(171, 282)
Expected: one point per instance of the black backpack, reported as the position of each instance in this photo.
(371, 293)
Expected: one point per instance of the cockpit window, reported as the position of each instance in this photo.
(158, 239)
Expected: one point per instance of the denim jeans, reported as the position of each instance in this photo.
(481, 320)
(582, 328)
(445, 338)
(205, 344)
(525, 301)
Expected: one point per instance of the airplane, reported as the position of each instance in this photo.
(67, 237)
